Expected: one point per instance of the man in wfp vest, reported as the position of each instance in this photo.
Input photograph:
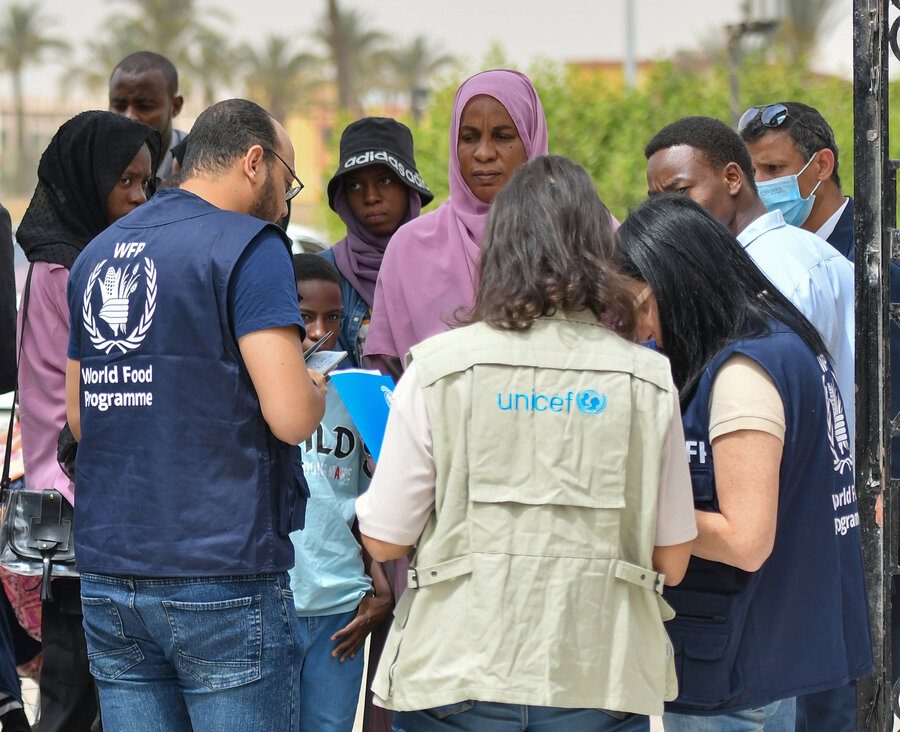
(537, 461)
(187, 389)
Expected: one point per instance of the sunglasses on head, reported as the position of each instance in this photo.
(772, 116)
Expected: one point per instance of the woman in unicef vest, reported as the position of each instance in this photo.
(773, 604)
(534, 458)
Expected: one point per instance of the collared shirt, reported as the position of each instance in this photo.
(825, 229)
(819, 281)
(164, 169)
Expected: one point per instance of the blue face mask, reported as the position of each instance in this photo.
(784, 194)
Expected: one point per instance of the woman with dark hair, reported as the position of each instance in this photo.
(773, 603)
(535, 589)
(95, 170)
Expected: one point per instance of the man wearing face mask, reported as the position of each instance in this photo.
(795, 160)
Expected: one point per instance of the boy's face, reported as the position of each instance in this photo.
(378, 198)
(321, 311)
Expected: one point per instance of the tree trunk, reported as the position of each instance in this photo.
(23, 159)
(339, 52)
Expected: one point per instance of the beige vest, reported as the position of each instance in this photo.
(531, 582)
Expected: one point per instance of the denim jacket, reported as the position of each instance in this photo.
(352, 316)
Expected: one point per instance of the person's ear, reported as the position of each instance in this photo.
(824, 164)
(254, 162)
(176, 105)
(734, 178)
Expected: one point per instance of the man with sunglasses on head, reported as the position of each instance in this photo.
(795, 159)
(187, 389)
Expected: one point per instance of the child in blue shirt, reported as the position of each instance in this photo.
(339, 593)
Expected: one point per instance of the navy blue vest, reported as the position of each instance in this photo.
(177, 472)
(800, 623)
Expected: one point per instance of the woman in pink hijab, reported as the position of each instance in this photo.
(430, 268)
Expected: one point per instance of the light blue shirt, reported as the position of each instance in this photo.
(819, 281)
(328, 576)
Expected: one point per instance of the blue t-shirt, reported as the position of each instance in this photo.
(328, 576)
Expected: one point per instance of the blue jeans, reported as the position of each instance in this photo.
(193, 654)
(329, 689)
(478, 716)
(834, 710)
(775, 717)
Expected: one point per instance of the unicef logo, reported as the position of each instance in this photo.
(590, 402)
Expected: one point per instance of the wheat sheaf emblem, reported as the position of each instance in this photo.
(116, 289)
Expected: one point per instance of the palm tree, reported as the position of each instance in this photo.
(277, 76)
(102, 59)
(167, 27)
(414, 65)
(353, 52)
(22, 42)
(212, 61)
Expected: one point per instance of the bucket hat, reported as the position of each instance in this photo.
(379, 141)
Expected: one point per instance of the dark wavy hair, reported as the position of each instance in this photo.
(708, 290)
(549, 246)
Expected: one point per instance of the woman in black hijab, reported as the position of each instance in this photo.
(96, 169)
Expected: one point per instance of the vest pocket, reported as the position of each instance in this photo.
(547, 436)
(706, 636)
(293, 492)
(703, 483)
(707, 673)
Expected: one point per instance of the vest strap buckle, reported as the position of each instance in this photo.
(649, 579)
(423, 576)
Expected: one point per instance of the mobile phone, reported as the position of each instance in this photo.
(316, 346)
(325, 361)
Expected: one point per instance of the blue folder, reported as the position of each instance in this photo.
(367, 396)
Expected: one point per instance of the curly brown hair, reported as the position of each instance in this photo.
(549, 246)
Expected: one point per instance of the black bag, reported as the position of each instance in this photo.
(36, 535)
(36, 526)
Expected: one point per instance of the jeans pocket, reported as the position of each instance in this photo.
(218, 643)
(448, 710)
(110, 653)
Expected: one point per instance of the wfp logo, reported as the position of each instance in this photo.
(590, 402)
(587, 402)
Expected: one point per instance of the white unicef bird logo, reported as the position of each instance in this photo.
(116, 289)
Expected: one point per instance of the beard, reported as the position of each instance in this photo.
(268, 204)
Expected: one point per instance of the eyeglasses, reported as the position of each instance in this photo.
(772, 116)
(290, 192)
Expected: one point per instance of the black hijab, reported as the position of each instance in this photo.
(77, 172)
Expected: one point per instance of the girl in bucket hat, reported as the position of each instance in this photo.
(375, 190)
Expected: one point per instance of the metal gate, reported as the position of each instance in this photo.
(875, 28)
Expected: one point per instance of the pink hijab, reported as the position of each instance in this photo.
(430, 269)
